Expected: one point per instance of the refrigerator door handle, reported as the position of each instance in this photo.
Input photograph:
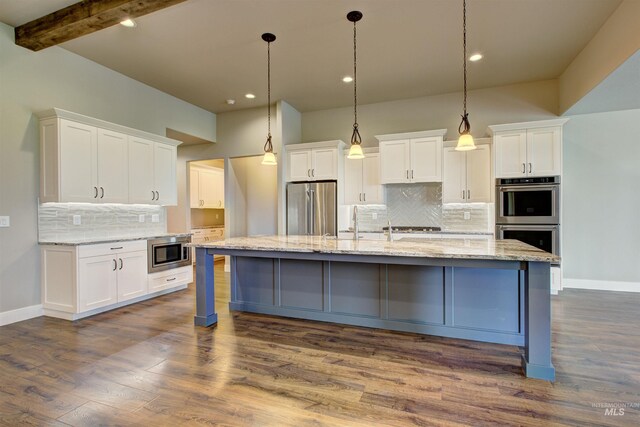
(312, 222)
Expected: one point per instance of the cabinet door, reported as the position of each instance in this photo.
(426, 160)
(219, 188)
(544, 152)
(208, 188)
(78, 162)
(479, 185)
(132, 275)
(164, 174)
(371, 187)
(324, 163)
(97, 282)
(352, 181)
(141, 185)
(510, 154)
(194, 188)
(299, 165)
(113, 167)
(394, 161)
(454, 171)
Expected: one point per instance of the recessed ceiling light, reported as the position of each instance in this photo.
(347, 79)
(129, 23)
(249, 96)
(475, 57)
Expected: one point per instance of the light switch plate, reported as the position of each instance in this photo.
(467, 215)
(5, 221)
(140, 218)
(155, 218)
(77, 220)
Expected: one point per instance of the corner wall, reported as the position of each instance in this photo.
(601, 202)
(35, 81)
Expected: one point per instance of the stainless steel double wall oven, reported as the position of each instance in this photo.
(528, 209)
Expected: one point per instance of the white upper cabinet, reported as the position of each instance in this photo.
(313, 161)
(89, 160)
(207, 187)
(362, 180)
(528, 149)
(113, 171)
(411, 157)
(467, 175)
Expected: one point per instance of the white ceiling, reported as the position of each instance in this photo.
(207, 51)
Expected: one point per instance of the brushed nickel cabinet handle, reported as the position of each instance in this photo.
(115, 249)
(523, 168)
(364, 196)
(309, 173)
(115, 265)
(462, 194)
(468, 194)
(153, 195)
(172, 279)
(407, 173)
(411, 173)
(102, 190)
(313, 172)
(121, 263)
(529, 167)
(95, 195)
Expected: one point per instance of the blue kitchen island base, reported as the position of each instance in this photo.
(506, 302)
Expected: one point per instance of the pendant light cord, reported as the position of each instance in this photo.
(355, 137)
(268, 147)
(464, 127)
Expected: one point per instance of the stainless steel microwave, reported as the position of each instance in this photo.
(528, 200)
(166, 253)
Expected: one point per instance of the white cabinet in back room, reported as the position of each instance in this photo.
(467, 175)
(528, 149)
(206, 187)
(314, 161)
(362, 180)
(411, 157)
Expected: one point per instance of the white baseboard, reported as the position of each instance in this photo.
(601, 285)
(20, 314)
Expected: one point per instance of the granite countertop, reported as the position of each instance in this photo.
(400, 233)
(452, 248)
(110, 239)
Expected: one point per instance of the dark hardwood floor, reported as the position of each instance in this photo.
(148, 365)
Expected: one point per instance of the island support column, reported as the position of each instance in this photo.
(205, 290)
(536, 360)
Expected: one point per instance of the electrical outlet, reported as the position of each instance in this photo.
(374, 215)
(217, 216)
(77, 220)
(155, 218)
(140, 218)
(467, 215)
(5, 221)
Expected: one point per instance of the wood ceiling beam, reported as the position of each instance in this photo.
(83, 18)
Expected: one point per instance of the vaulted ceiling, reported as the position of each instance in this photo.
(208, 51)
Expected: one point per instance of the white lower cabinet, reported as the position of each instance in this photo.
(79, 281)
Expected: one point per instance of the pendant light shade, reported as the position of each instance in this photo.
(269, 157)
(465, 142)
(355, 151)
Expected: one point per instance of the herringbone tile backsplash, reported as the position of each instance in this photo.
(415, 204)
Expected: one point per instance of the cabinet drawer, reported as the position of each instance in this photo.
(85, 251)
(170, 278)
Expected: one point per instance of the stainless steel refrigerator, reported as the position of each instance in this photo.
(312, 208)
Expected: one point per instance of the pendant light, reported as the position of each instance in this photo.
(355, 151)
(269, 157)
(465, 142)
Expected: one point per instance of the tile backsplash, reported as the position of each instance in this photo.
(55, 221)
(421, 205)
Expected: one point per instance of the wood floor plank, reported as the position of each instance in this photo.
(147, 364)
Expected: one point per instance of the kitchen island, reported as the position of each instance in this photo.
(485, 290)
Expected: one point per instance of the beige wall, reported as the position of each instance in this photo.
(54, 77)
(615, 42)
(506, 104)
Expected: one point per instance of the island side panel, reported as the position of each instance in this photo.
(536, 360)
(205, 291)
